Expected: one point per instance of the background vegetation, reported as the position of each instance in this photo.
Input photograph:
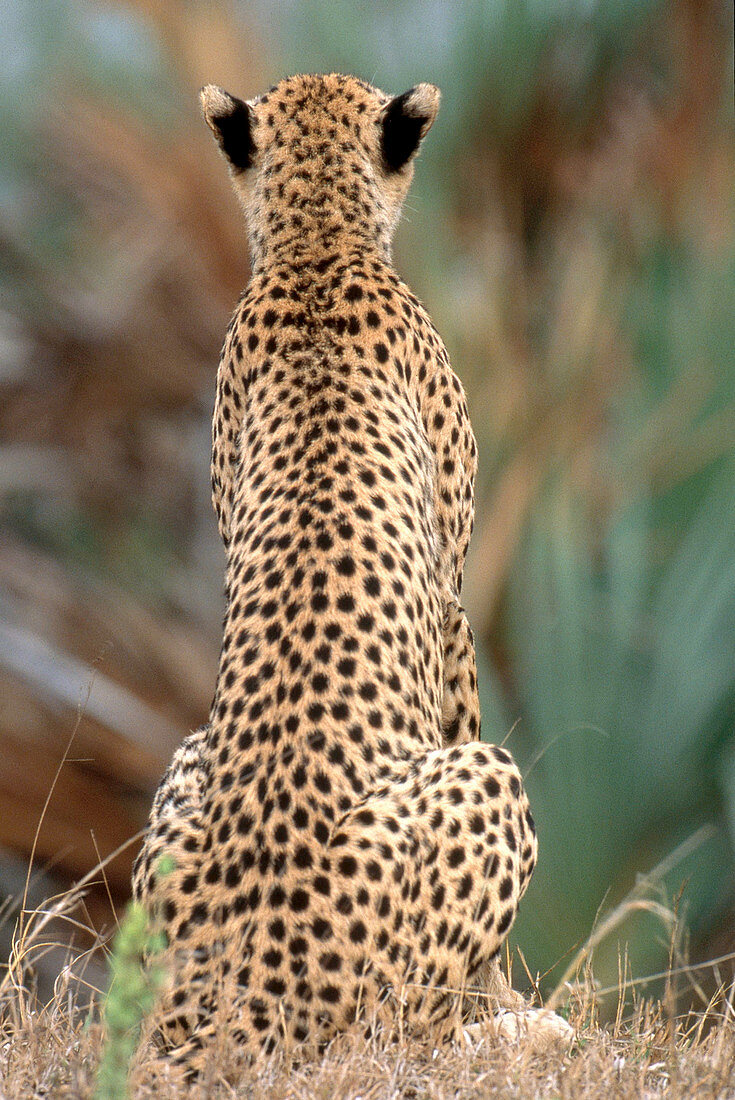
(571, 231)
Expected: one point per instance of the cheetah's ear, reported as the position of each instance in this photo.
(406, 121)
(231, 122)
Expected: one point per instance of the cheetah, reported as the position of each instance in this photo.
(343, 846)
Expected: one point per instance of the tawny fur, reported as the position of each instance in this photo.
(344, 845)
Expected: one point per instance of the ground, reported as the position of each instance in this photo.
(50, 1057)
(649, 1050)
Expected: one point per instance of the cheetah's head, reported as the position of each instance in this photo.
(319, 156)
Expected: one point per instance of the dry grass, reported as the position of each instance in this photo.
(53, 1055)
(648, 1049)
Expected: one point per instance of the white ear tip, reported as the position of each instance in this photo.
(216, 102)
(424, 99)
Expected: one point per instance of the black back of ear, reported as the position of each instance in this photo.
(236, 136)
(401, 134)
(406, 120)
(231, 122)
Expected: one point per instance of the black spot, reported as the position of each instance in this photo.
(213, 873)
(505, 922)
(465, 887)
(322, 929)
(320, 682)
(347, 866)
(346, 566)
(358, 932)
(492, 787)
(505, 889)
(372, 585)
(302, 858)
(299, 901)
(277, 929)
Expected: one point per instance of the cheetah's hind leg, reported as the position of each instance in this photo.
(446, 851)
(175, 811)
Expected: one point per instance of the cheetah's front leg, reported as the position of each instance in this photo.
(460, 703)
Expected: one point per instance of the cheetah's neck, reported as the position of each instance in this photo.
(290, 220)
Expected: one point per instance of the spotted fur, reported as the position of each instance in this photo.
(344, 845)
